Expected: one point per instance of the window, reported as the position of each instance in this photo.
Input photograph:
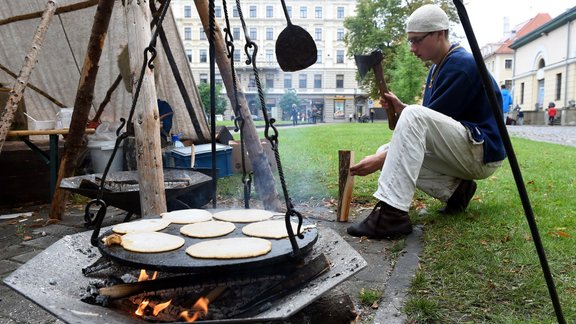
(269, 80)
(302, 81)
(508, 64)
(339, 81)
(269, 12)
(218, 11)
(289, 11)
(253, 33)
(218, 79)
(187, 33)
(317, 81)
(252, 81)
(340, 12)
(203, 78)
(202, 33)
(522, 93)
(319, 56)
(236, 32)
(237, 56)
(340, 56)
(287, 81)
(318, 34)
(303, 12)
(270, 33)
(235, 12)
(339, 109)
(269, 55)
(189, 55)
(340, 34)
(203, 56)
(558, 86)
(187, 11)
(252, 11)
(318, 12)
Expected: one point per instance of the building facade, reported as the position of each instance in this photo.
(328, 89)
(545, 67)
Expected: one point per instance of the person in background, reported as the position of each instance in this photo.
(519, 115)
(294, 115)
(441, 146)
(371, 115)
(506, 101)
(551, 113)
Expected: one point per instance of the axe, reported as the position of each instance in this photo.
(372, 61)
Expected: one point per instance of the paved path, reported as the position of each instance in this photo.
(565, 135)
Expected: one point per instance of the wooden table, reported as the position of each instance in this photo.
(50, 159)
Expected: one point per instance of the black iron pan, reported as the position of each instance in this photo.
(295, 48)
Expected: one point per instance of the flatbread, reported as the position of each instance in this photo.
(230, 248)
(141, 226)
(208, 229)
(274, 229)
(243, 215)
(152, 242)
(187, 216)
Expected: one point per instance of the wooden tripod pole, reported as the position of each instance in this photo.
(82, 105)
(29, 63)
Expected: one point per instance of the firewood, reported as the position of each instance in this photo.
(345, 184)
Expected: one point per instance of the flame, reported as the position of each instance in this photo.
(200, 309)
(144, 276)
(142, 307)
(158, 308)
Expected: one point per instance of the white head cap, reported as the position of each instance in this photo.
(428, 18)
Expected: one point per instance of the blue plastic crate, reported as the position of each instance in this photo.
(203, 153)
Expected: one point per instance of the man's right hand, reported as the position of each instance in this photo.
(368, 165)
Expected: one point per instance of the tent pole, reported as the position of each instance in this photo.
(82, 105)
(38, 14)
(22, 81)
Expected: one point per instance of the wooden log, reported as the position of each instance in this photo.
(146, 116)
(84, 97)
(29, 62)
(263, 178)
(63, 9)
(345, 184)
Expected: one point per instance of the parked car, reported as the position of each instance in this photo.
(256, 117)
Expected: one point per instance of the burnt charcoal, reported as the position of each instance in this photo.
(128, 278)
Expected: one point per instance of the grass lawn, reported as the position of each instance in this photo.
(479, 266)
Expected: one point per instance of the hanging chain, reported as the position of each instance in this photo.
(238, 120)
(89, 218)
(251, 50)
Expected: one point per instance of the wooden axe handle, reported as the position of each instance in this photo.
(382, 88)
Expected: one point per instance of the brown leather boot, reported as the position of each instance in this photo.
(384, 221)
(460, 198)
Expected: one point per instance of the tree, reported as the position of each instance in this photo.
(380, 24)
(204, 89)
(288, 99)
(407, 76)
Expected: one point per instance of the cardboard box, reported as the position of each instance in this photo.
(237, 156)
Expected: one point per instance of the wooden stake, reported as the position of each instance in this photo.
(345, 184)
(82, 104)
(29, 64)
(146, 116)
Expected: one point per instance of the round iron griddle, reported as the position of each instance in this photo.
(180, 262)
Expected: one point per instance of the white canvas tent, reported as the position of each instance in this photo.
(58, 69)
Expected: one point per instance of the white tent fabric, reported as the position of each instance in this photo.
(62, 55)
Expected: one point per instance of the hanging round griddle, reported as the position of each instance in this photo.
(177, 261)
(295, 48)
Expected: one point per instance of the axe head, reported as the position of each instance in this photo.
(366, 62)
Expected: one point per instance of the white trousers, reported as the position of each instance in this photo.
(432, 152)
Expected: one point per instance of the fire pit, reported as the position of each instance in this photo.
(54, 280)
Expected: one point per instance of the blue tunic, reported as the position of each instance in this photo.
(456, 90)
